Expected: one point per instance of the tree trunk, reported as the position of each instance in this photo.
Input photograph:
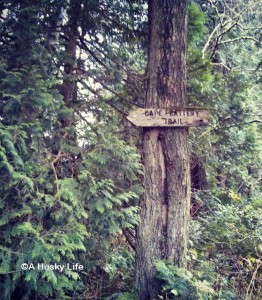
(165, 209)
(69, 86)
(69, 81)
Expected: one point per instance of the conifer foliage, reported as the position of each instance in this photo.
(58, 198)
(70, 163)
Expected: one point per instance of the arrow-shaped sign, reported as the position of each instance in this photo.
(169, 117)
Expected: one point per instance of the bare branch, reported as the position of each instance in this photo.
(209, 39)
(227, 21)
(240, 38)
(222, 65)
(55, 173)
(239, 124)
(249, 28)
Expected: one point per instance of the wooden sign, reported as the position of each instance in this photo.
(169, 117)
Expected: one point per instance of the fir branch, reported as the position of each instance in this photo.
(101, 98)
(12, 252)
(88, 123)
(92, 53)
(120, 69)
(99, 49)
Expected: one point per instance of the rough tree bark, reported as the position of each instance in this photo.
(68, 89)
(69, 86)
(68, 165)
(165, 209)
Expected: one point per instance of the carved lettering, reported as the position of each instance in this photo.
(169, 117)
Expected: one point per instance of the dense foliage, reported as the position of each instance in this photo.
(69, 161)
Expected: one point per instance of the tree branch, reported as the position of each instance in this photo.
(131, 244)
(240, 38)
(100, 97)
(209, 40)
(239, 124)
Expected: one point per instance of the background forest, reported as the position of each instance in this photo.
(70, 163)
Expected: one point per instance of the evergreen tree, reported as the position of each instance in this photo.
(70, 171)
(57, 203)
